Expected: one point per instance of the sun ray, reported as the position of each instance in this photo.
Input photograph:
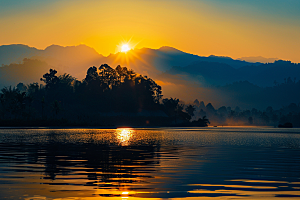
(130, 58)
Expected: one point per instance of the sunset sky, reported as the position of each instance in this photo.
(235, 28)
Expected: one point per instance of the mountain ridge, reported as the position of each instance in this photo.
(212, 70)
(75, 59)
(181, 74)
(164, 49)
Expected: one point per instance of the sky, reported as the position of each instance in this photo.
(235, 28)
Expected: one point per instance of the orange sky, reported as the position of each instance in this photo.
(232, 28)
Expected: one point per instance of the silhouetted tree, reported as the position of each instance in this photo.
(190, 109)
(32, 88)
(250, 120)
(55, 107)
(50, 78)
(103, 90)
(43, 106)
(172, 107)
(202, 113)
(237, 109)
(201, 122)
(21, 87)
(12, 101)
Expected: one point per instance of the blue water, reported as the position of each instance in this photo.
(189, 163)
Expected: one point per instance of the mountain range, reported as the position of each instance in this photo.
(218, 73)
(181, 74)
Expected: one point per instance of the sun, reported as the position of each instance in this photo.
(125, 48)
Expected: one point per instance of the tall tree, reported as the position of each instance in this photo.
(50, 78)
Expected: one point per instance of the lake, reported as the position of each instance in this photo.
(166, 163)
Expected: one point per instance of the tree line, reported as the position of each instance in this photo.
(105, 97)
(224, 116)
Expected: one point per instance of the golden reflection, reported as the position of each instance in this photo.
(235, 186)
(257, 181)
(124, 195)
(124, 136)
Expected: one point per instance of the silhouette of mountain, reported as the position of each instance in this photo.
(70, 59)
(213, 73)
(151, 62)
(26, 72)
(248, 95)
(180, 74)
(254, 59)
(74, 59)
(267, 74)
(15, 53)
(207, 73)
(227, 60)
(211, 70)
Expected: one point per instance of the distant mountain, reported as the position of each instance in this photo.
(76, 59)
(254, 59)
(207, 73)
(156, 63)
(151, 62)
(186, 76)
(270, 73)
(227, 60)
(28, 71)
(15, 53)
(248, 95)
(72, 59)
(213, 73)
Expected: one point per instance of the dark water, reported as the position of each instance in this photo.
(217, 163)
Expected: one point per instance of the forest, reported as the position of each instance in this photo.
(105, 97)
(109, 97)
(227, 116)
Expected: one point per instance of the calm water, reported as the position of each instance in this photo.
(217, 163)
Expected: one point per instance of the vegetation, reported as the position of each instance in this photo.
(121, 97)
(106, 97)
(287, 116)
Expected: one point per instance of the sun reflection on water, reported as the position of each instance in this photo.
(140, 164)
(124, 136)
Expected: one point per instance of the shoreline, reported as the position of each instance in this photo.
(134, 127)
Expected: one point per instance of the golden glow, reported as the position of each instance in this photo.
(125, 48)
(124, 136)
(216, 31)
(133, 60)
(126, 45)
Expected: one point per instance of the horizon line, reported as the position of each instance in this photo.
(220, 56)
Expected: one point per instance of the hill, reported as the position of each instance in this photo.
(74, 59)
(216, 79)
